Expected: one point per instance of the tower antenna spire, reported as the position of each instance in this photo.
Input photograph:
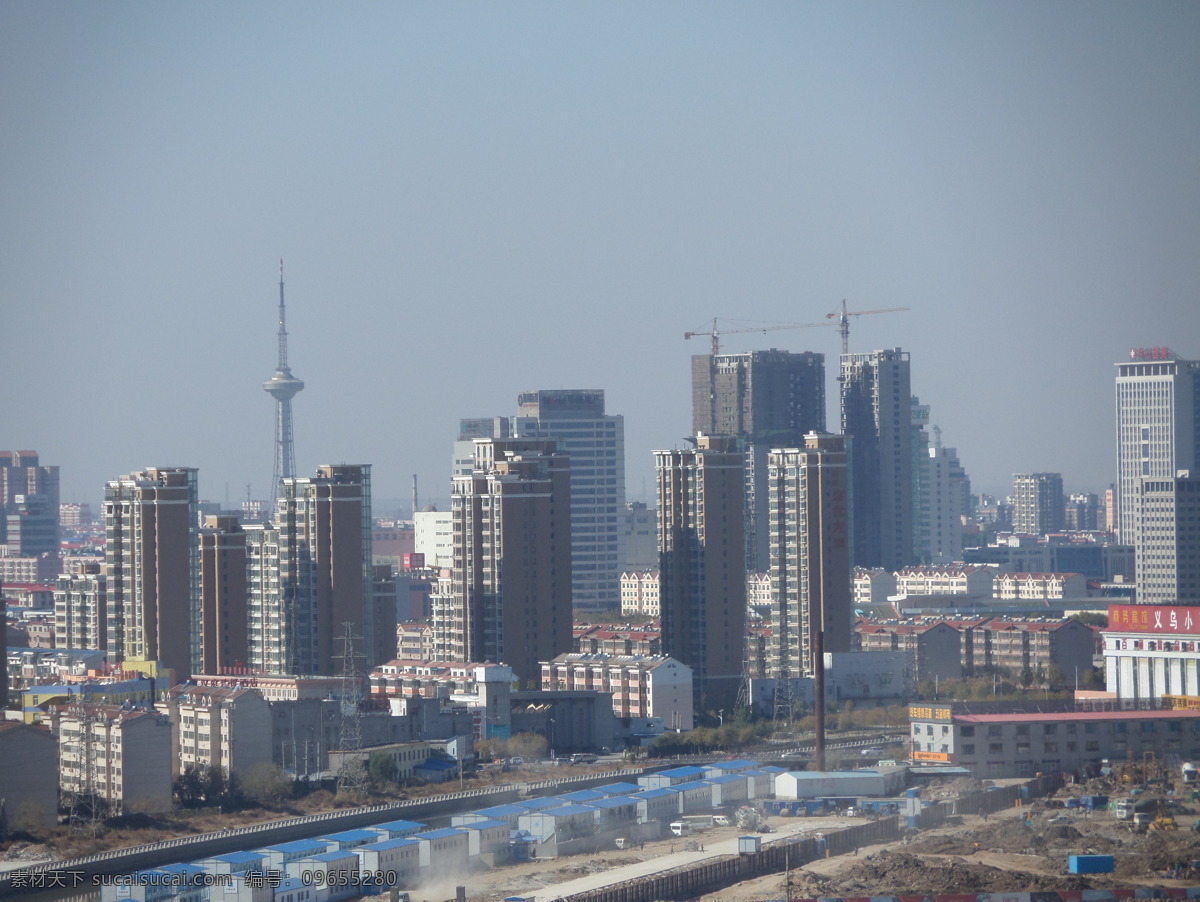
(283, 364)
(283, 386)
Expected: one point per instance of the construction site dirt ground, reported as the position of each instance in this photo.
(1020, 849)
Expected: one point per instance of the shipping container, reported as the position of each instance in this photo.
(1090, 864)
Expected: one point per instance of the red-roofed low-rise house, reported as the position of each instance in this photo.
(616, 639)
(36, 596)
(1017, 645)
(999, 745)
(954, 648)
(936, 647)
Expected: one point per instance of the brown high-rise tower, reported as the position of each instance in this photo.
(152, 568)
(511, 599)
(701, 542)
(768, 399)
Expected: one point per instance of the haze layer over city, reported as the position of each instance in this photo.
(476, 200)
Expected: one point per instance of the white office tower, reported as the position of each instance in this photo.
(947, 500)
(1168, 541)
(433, 536)
(1158, 425)
(595, 443)
(941, 493)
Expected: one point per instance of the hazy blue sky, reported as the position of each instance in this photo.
(475, 199)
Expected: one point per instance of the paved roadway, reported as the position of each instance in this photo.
(682, 857)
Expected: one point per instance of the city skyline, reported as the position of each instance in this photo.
(556, 206)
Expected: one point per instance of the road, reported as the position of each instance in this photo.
(725, 842)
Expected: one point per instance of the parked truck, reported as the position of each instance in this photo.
(1190, 774)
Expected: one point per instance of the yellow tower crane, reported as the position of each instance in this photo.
(714, 333)
(843, 318)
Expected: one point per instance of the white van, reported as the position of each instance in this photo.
(681, 828)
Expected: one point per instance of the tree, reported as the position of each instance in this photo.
(266, 782)
(491, 749)
(203, 784)
(1055, 677)
(531, 746)
(381, 768)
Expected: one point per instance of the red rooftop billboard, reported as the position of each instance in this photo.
(1154, 618)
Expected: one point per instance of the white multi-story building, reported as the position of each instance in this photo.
(1157, 429)
(873, 586)
(946, 490)
(1152, 650)
(639, 593)
(1039, 506)
(946, 580)
(641, 687)
(759, 595)
(1167, 546)
(219, 727)
(80, 609)
(1040, 586)
(118, 754)
(433, 536)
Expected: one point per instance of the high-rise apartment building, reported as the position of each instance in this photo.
(309, 575)
(222, 594)
(81, 609)
(941, 493)
(811, 575)
(510, 599)
(1158, 425)
(1039, 506)
(768, 399)
(640, 536)
(28, 504)
(1083, 512)
(152, 568)
(1167, 552)
(595, 442)
(876, 417)
(947, 500)
(702, 565)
